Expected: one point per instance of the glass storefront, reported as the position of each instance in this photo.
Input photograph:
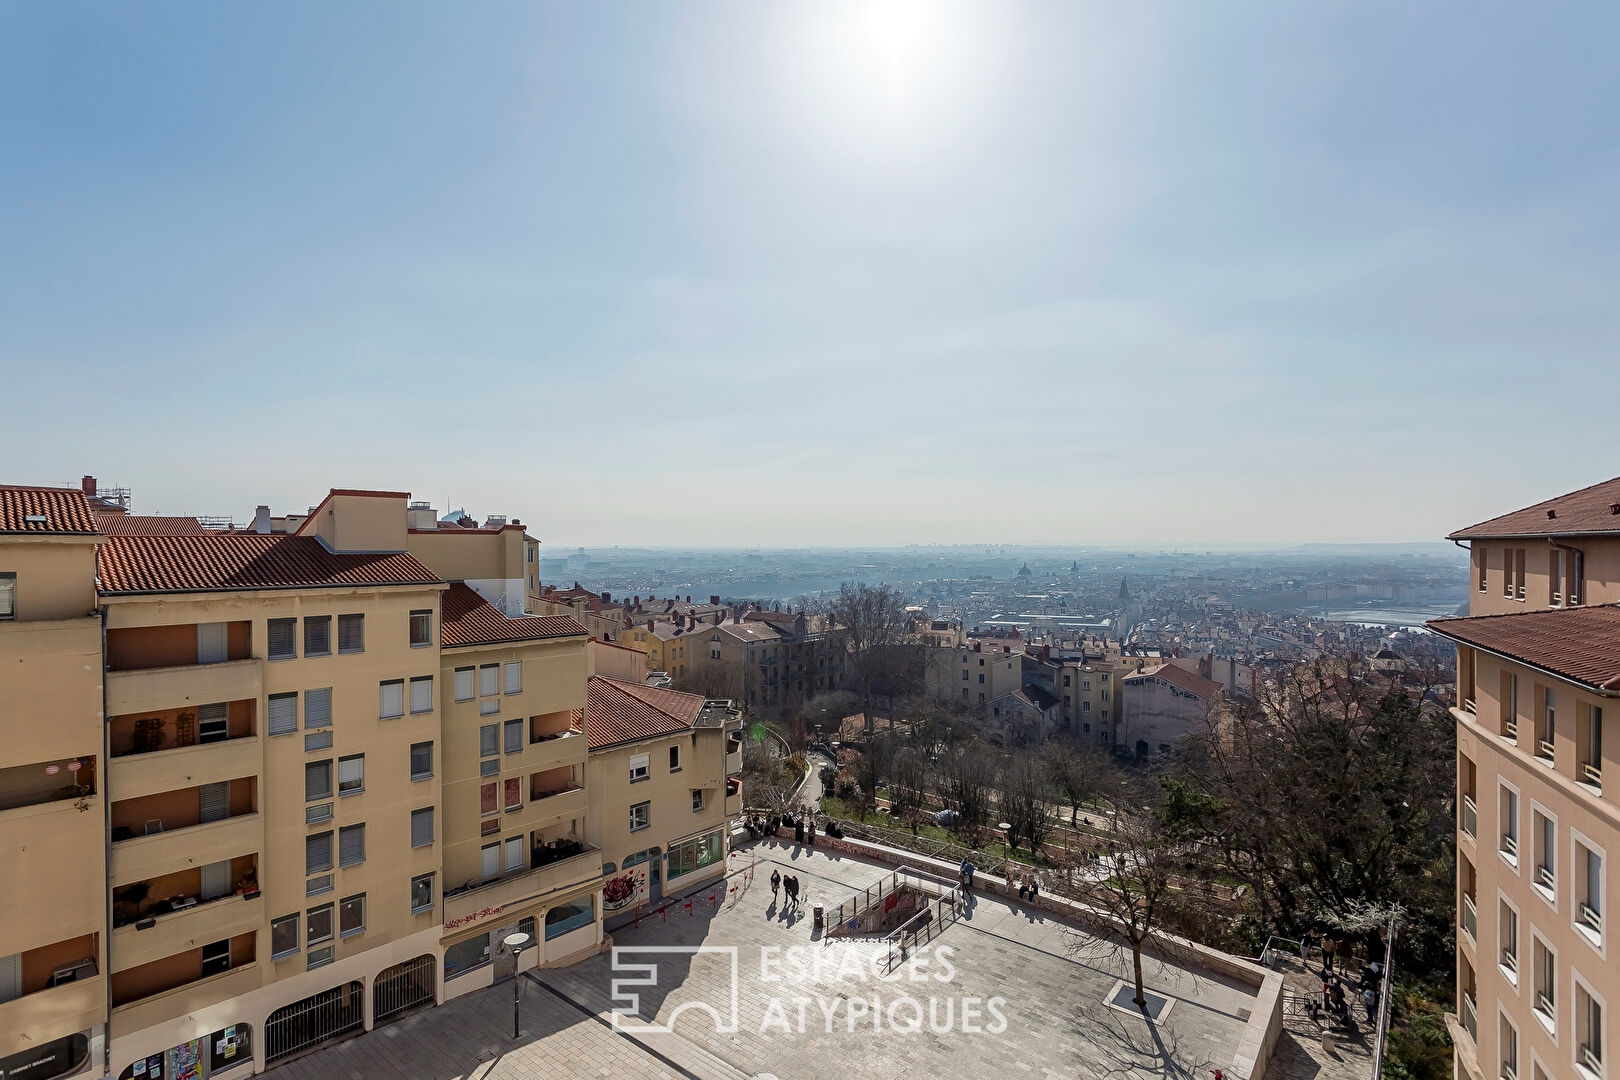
(696, 853)
(197, 1059)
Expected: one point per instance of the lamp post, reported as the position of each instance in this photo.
(515, 943)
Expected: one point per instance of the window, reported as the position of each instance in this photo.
(352, 915)
(216, 957)
(675, 758)
(421, 629)
(489, 799)
(1509, 1045)
(282, 635)
(964, 675)
(352, 774)
(8, 596)
(283, 714)
(1508, 822)
(514, 736)
(1066, 680)
(317, 708)
(352, 845)
(317, 813)
(421, 894)
(514, 794)
(318, 924)
(489, 680)
(391, 699)
(1507, 935)
(512, 672)
(318, 853)
(640, 816)
(1085, 706)
(317, 780)
(1479, 560)
(1590, 745)
(1588, 1030)
(489, 740)
(565, 917)
(695, 854)
(1545, 726)
(1544, 964)
(515, 859)
(422, 827)
(464, 684)
(318, 740)
(283, 936)
(639, 765)
(981, 678)
(1510, 705)
(1546, 854)
(318, 958)
(1518, 574)
(351, 633)
(422, 694)
(465, 956)
(1588, 890)
(421, 760)
(213, 723)
(315, 886)
(317, 635)
(1085, 729)
(697, 800)
(489, 859)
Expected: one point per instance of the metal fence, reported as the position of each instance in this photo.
(875, 892)
(403, 987)
(320, 1018)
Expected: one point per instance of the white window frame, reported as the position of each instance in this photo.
(356, 768)
(698, 800)
(512, 677)
(427, 639)
(1514, 859)
(508, 846)
(1510, 975)
(387, 709)
(489, 860)
(640, 767)
(287, 701)
(1549, 1024)
(1510, 1069)
(421, 695)
(489, 680)
(1548, 896)
(466, 683)
(1578, 985)
(646, 816)
(1597, 939)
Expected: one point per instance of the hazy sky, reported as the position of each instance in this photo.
(818, 273)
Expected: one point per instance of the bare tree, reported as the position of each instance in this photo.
(908, 790)
(713, 680)
(1078, 772)
(1021, 798)
(873, 623)
(872, 768)
(967, 780)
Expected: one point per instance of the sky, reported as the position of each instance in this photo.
(795, 274)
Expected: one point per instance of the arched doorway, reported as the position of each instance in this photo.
(403, 988)
(317, 1019)
(1141, 748)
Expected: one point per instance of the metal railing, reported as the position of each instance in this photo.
(403, 987)
(839, 917)
(1470, 918)
(1510, 845)
(1590, 916)
(1470, 817)
(928, 920)
(1510, 728)
(1470, 1019)
(1545, 749)
(1546, 878)
(1592, 772)
(306, 1024)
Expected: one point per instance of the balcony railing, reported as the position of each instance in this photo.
(1470, 817)
(1591, 917)
(1510, 845)
(1470, 918)
(1469, 707)
(1591, 1059)
(1510, 963)
(1592, 772)
(1546, 878)
(1544, 749)
(1510, 728)
(1470, 1020)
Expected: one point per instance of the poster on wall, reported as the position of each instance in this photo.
(185, 1061)
(626, 890)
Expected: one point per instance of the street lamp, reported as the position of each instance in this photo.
(515, 943)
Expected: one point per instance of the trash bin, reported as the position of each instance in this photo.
(815, 914)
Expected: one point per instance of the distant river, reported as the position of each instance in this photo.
(1416, 616)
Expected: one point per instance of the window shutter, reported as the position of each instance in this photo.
(514, 736)
(391, 698)
(514, 852)
(317, 708)
(317, 853)
(491, 860)
(317, 635)
(514, 677)
(352, 845)
(422, 694)
(489, 740)
(422, 827)
(352, 773)
(317, 780)
(464, 684)
(215, 801)
(351, 633)
(211, 646)
(213, 722)
(282, 636)
(11, 977)
(283, 714)
(216, 880)
(489, 680)
(421, 759)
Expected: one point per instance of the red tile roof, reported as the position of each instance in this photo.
(620, 712)
(65, 510)
(146, 525)
(469, 619)
(1190, 681)
(1589, 510)
(1582, 644)
(228, 562)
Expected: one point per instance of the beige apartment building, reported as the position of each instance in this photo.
(53, 811)
(1538, 661)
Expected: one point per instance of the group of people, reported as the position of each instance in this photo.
(790, 886)
(1029, 888)
(1334, 997)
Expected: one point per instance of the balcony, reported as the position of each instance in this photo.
(549, 751)
(1592, 773)
(734, 799)
(1470, 816)
(567, 801)
(150, 690)
(176, 986)
(1470, 918)
(1470, 1018)
(186, 929)
(139, 775)
(39, 1016)
(146, 856)
(582, 865)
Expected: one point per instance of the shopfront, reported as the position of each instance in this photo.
(59, 1057)
(687, 857)
(197, 1059)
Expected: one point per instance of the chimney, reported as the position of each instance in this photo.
(261, 518)
(689, 599)
(88, 486)
(714, 601)
(607, 598)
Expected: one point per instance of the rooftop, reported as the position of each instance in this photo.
(1590, 510)
(469, 619)
(228, 562)
(1190, 681)
(621, 712)
(121, 524)
(45, 511)
(1581, 644)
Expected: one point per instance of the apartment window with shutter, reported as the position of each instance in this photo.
(352, 915)
(317, 708)
(351, 633)
(315, 886)
(391, 699)
(318, 853)
(317, 780)
(352, 845)
(283, 714)
(514, 854)
(1479, 560)
(513, 672)
(1507, 573)
(489, 680)
(213, 723)
(514, 736)
(283, 639)
(352, 774)
(489, 740)
(421, 760)
(422, 827)
(489, 860)
(317, 635)
(514, 794)
(421, 894)
(422, 694)
(421, 629)
(283, 936)
(464, 684)
(639, 766)
(8, 596)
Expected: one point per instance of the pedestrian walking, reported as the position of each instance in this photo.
(776, 883)
(1329, 947)
(967, 874)
(1369, 1001)
(798, 831)
(810, 832)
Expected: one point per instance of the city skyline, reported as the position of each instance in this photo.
(815, 276)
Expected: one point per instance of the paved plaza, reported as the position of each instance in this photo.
(824, 1010)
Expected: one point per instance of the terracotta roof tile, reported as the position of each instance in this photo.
(1580, 643)
(64, 510)
(227, 562)
(469, 619)
(1190, 681)
(147, 525)
(1589, 510)
(620, 712)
